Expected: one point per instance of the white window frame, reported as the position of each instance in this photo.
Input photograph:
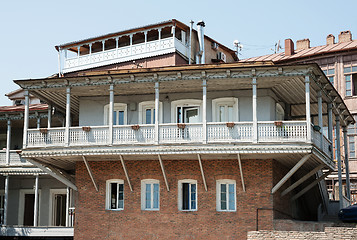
(117, 107)
(108, 195)
(143, 194)
(185, 103)
(216, 103)
(22, 205)
(180, 200)
(51, 211)
(218, 198)
(148, 105)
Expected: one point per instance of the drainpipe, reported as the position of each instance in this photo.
(190, 42)
(201, 40)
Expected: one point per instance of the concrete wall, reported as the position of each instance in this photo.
(169, 223)
(19, 183)
(92, 108)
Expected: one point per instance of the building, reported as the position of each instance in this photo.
(25, 214)
(338, 60)
(184, 142)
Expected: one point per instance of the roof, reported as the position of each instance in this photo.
(305, 53)
(21, 108)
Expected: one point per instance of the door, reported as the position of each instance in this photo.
(60, 210)
(188, 115)
(29, 209)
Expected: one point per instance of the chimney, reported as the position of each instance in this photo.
(345, 36)
(330, 39)
(303, 44)
(289, 47)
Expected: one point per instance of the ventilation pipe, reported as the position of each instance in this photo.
(190, 43)
(201, 39)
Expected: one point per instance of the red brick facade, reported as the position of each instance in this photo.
(94, 222)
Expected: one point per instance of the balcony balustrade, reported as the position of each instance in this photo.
(171, 133)
(127, 53)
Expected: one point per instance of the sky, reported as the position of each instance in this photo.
(29, 30)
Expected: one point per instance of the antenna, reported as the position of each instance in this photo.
(238, 46)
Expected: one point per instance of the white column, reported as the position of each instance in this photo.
(38, 120)
(173, 35)
(116, 45)
(111, 110)
(8, 141)
(78, 53)
(321, 125)
(308, 112)
(26, 119)
(347, 166)
(204, 110)
(159, 31)
(103, 49)
(49, 116)
(338, 153)
(330, 126)
(59, 62)
(67, 206)
(157, 94)
(68, 115)
(6, 199)
(35, 211)
(255, 116)
(131, 43)
(90, 52)
(146, 40)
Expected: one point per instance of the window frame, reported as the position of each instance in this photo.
(326, 69)
(108, 194)
(217, 102)
(143, 194)
(180, 195)
(146, 105)
(185, 103)
(218, 194)
(117, 107)
(350, 70)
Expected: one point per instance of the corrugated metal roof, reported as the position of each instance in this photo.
(21, 108)
(302, 53)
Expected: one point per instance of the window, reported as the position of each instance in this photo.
(115, 194)
(352, 135)
(225, 109)
(150, 194)
(329, 71)
(119, 114)
(187, 195)
(186, 111)
(350, 80)
(226, 195)
(147, 112)
(351, 146)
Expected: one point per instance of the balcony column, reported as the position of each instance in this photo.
(347, 166)
(131, 43)
(68, 115)
(204, 110)
(103, 49)
(35, 208)
(26, 118)
(321, 125)
(116, 45)
(6, 198)
(330, 126)
(59, 62)
(157, 95)
(255, 114)
(111, 109)
(67, 206)
(8, 142)
(308, 111)
(173, 35)
(90, 52)
(146, 40)
(38, 120)
(159, 31)
(78, 53)
(338, 153)
(49, 116)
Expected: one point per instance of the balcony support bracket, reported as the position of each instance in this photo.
(126, 172)
(241, 172)
(290, 173)
(163, 172)
(202, 172)
(90, 173)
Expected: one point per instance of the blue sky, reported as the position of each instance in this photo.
(31, 29)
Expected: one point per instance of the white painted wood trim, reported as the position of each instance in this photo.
(108, 197)
(185, 103)
(164, 173)
(143, 194)
(179, 198)
(146, 104)
(218, 194)
(22, 193)
(117, 107)
(226, 100)
(51, 211)
(241, 172)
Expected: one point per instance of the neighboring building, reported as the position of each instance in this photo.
(338, 60)
(23, 214)
(166, 149)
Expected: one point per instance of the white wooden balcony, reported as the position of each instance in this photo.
(126, 53)
(172, 133)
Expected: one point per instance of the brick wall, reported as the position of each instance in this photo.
(94, 222)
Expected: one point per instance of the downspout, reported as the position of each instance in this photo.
(190, 43)
(201, 40)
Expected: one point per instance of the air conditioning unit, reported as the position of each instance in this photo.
(221, 56)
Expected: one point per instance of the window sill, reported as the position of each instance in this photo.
(115, 210)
